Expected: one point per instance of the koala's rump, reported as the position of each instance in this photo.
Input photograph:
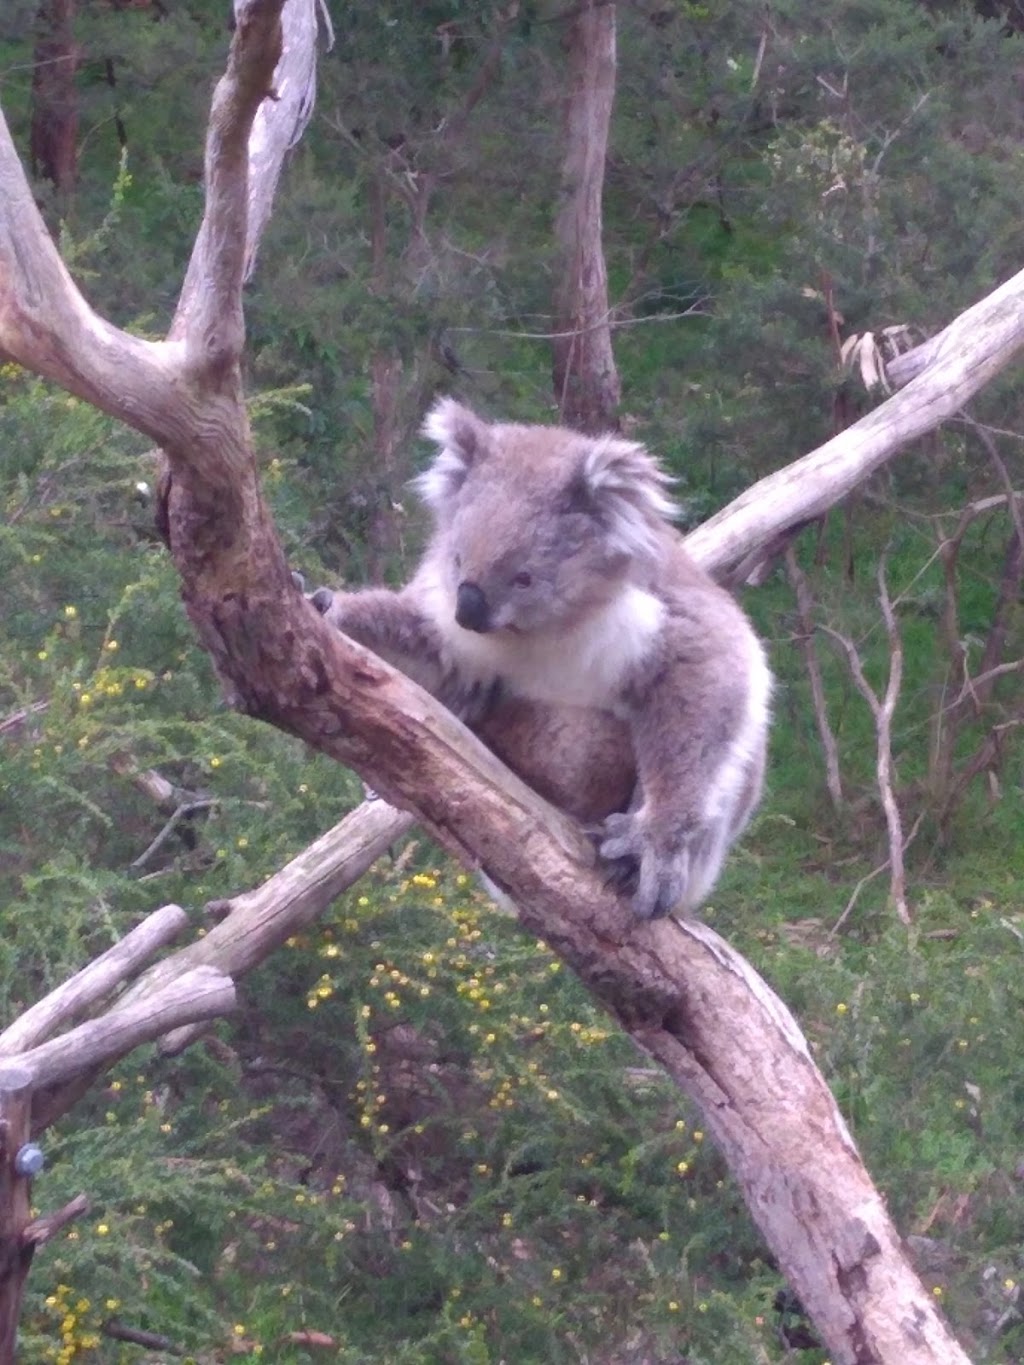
(579, 759)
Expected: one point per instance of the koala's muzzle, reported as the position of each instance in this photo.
(471, 609)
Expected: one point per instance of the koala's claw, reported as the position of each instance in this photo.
(622, 875)
(655, 880)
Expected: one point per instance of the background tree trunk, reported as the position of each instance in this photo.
(586, 381)
(54, 136)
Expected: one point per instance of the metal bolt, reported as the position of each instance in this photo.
(29, 1160)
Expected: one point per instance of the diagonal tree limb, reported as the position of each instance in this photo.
(967, 354)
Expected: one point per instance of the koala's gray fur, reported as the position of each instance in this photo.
(556, 610)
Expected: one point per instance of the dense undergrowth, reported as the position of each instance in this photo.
(418, 1140)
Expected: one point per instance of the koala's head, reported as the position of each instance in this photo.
(537, 526)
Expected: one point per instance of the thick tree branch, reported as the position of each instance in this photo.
(280, 122)
(47, 326)
(961, 360)
(209, 315)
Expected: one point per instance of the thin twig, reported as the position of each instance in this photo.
(186, 809)
(882, 709)
(44, 1229)
(870, 876)
(152, 1341)
(805, 615)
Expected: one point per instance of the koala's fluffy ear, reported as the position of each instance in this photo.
(462, 437)
(625, 489)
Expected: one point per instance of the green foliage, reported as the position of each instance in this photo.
(419, 1139)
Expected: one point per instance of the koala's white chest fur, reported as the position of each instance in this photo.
(582, 666)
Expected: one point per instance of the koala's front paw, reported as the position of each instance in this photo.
(655, 872)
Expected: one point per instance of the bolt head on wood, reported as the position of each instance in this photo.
(29, 1160)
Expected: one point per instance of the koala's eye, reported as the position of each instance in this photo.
(523, 580)
(457, 560)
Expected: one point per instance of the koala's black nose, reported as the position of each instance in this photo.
(471, 609)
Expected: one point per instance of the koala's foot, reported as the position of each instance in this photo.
(656, 873)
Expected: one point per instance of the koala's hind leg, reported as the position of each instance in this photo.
(700, 742)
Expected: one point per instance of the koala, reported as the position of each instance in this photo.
(556, 611)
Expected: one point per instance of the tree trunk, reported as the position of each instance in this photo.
(54, 135)
(586, 381)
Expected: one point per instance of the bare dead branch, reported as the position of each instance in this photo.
(987, 756)
(48, 327)
(180, 812)
(15, 1208)
(150, 1341)
(985, 436)
(886, 782)
(973, 348)
(201, 994)
(165, 795)
(882, 710)
(281, 121)
(209, 315)
(805, 613)
(17, 720)
(972, 686)
(94, 981)
(870, 877)
(42, 1230)
(257, 922)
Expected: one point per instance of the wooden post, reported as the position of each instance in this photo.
(15, 1252)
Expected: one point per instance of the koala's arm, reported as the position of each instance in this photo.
(394, 625)
(389, 624)
(698, 717)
